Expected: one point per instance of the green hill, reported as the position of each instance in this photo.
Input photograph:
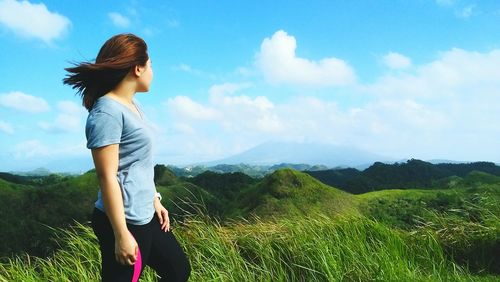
(479, 178)
(164, 175)
(466, 219)
(7, 185)
(288, 192)
(464, 213)
(225, 185)
(413, 174)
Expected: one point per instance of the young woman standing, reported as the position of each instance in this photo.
(130, 222)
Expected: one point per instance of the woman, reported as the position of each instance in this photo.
(130, 222)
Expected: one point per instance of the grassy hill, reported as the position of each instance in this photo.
(28, 210)
(288, 192)
(316, 249)
(450, 233)
(465, 219)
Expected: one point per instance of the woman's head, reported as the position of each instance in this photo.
(120, 55)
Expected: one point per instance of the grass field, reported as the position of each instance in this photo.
(313, 248)
(450, 234)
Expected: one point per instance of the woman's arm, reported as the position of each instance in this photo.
(106, 164)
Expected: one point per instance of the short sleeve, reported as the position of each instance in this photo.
(102, 129)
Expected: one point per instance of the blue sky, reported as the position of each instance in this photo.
(403, 79)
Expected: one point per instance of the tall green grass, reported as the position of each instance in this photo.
(465, 221)
(313, 248)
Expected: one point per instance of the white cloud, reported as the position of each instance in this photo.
(455, 72)
(69, 119)
(224, 117)
(244, 121)
(184, 128)
(187, 68)
(186, 108)
(30, 149)
(243, 71)
(465, 12)
(459, 9)
(6, 127)
(227, 88)
(453, 100)
(23, 102)
(446, 108)
(32, 20)
(34, 150)
(172, 23)
(241, 112)
(119, 20)
(279, 64)
(396, 61)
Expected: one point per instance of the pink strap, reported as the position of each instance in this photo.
(137, 266)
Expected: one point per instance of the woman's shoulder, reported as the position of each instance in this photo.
(104, 105)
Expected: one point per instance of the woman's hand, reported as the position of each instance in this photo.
(126, 249)
(162, 215)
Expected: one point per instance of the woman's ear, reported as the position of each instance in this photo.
(138, 70)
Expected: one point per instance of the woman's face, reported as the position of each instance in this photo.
(144, 80)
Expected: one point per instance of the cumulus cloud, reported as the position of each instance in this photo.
(32, 20)
(445, 108)
(30, 149)
(396, 61)
(172, 23)
(456, 96)
(183, 128)
(119, 20)
(243, 121)
(188, 69)
(6, 127)
(24, 102)
(186, 108)
(465, 12)
(34, 150)
(182, 67)
(455, 72)
(459, 9)
(69, 118)
(233, 113)
(226, 88)
(241, 112)
(279, 63)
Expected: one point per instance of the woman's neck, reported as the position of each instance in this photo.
(125, 97)
(125, 90)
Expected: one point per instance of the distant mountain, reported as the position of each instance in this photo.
(271, 153)
(257, 171)
(445, 161)
(36, 172)
(63, 166)
(300, 167)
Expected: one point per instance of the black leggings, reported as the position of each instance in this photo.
(159, 250)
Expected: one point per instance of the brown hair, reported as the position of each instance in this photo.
(115, 59)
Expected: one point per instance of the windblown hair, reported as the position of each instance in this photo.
(119, 54)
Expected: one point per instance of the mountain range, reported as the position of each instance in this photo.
(257, 161)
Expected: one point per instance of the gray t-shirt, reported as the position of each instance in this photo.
(111, 122)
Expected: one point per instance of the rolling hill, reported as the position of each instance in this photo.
(288, 192)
